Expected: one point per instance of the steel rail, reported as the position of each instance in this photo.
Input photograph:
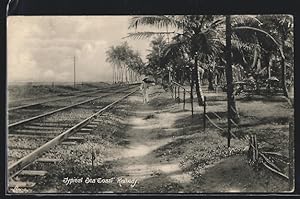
(58, 110)
(64, 93)
(55, 95)
(22, 163)
(54, 100)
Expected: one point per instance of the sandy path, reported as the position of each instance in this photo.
(138, 161)
(147, 171)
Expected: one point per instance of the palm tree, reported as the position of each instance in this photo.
(231, 106)
(279, 30)
(193, 34)
(204, 36)
(126, 62)
(282, 28)
(111, 58)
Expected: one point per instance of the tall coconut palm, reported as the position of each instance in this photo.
(194, 33)
(123, 59)
(281, 27)
(279, 30)
(231, 106)
(201, 36)
(111, 58)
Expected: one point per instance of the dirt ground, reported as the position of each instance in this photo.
(160, 148)
(167, 152)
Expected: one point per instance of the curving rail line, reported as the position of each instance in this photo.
(17, 167)
(51, 95)
(84, 93)
(23, 162)
(57, 110)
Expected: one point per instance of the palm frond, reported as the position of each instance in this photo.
(217, 22)
(240, 44)
(263, 32)
(159, 21)
(174, 48)
(145, 35)
(245, 19)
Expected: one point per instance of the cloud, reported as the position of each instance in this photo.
(17, 71)
(42, 48)
(49, 75)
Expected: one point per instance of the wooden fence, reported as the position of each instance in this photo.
(255, 155)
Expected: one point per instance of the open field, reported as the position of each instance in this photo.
(27, 91)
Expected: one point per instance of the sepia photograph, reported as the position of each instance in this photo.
(132, 104)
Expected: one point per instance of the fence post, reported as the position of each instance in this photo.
(253, 148)
(229, 122)
(229, 132)
(184, 99)
(256, 148)
(192, 108)
(204, 114)
(250, 148)
(291, 156)
(175, 91)
(178, 95)
(93, 157)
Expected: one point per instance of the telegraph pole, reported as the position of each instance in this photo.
(230, 95)
(74, 73)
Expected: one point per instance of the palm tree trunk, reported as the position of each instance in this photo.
(122, 73)
(114, 73)
(283, 72)
(126, 74)
(182, 77)
(170, 77)
(231, 104)
(117, 74)
(192, 92)
(255, 57)
(196, 79)
(210, 79)
(269, 66)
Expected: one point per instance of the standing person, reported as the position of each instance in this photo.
(144, 87)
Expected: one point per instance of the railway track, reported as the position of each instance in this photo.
(17, 114)
(47, 96)
(31, 138)
(32, 102)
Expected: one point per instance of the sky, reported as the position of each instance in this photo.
(42, 48)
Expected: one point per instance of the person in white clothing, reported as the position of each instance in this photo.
(144, 87)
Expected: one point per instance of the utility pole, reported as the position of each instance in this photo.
(230, 96)
(74, 73)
